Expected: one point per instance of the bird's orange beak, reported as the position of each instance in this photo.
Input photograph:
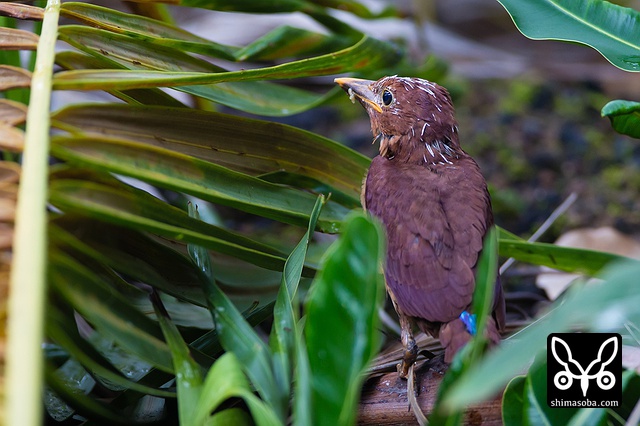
(357, 87)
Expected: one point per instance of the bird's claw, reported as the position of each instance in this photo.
(408, 359)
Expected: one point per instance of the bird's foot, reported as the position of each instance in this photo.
(408, 359)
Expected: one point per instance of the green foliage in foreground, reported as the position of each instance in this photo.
(145, 298)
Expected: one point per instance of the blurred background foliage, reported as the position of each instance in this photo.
(203, 163)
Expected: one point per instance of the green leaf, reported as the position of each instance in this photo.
(188, 374)
(563, 258)
(513, 402)
(482, 305)
(287, 42)
(257, 97)
(535, 408)
(485, 281)
(131, 253)
(624, 116)
(139, 210)
(63, 330)
(108, 311)
(302, 392)
(368, 53)
(610, 29)
(341, 320)
(595, 307)
(149, 30)
(193, 176)
(71, 60)
(284, 335)
(230, 416)
(225, 380)
(236, 335)
(255, 147)
(83, 404)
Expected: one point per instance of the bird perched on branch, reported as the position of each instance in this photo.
(433, 202)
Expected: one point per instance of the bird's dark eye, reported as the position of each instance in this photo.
(387, 97)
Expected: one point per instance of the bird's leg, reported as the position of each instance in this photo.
(409, 344)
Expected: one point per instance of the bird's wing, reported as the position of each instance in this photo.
(435, 222)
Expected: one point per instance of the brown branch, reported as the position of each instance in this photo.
(384, 398)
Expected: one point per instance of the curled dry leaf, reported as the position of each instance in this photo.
(9, 172)
(12, 112)
(14, 77)
(14, 39)
(11, 138)
(604, 239)
(22, 11)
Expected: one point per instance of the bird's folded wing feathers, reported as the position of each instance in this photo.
(435, 227)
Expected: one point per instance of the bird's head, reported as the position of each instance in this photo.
(413, 119)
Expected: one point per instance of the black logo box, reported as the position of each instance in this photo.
(584, 369)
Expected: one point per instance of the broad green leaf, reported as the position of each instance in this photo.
(610, 29)
(188, 373)
(196, 177)
(535, 408)
(283, 337)
(225, 380)
(595, 307)
(513, 402)
(108, 311)
(341, 320)
(368, 53)
(237, 336)
(139, 210)
(251, 146)
(525, 402)
(624, 116)
(230, 416)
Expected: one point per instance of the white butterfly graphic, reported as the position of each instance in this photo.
(564, 379)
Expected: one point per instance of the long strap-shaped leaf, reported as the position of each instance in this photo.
(199, 178)
(612, 30)
(242, 144)
(367, 53)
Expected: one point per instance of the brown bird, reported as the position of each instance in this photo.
(433, 202)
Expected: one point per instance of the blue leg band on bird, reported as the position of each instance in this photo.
(469, 321)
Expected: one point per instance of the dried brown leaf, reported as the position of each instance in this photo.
(21, 11)
(11, 138)
(14, 77)
(14, 39)
(12, 112)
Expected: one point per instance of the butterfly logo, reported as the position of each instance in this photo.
(564, 379)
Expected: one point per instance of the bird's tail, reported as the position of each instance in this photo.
(455, 334)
